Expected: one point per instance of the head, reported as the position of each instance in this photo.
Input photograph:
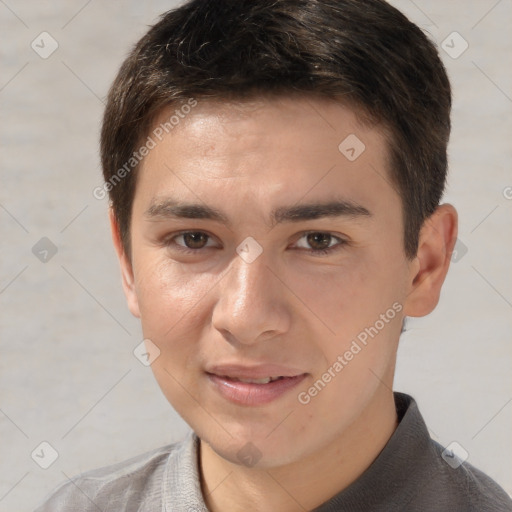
(275, 171)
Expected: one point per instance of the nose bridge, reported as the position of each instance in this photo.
(249, 302)
(248, 283)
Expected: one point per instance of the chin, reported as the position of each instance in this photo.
(255, 448)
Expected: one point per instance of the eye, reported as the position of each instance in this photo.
(321, 242)
(193, 241)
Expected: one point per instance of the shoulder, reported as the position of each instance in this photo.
(138, 479)
(462, 484)
(432, 476)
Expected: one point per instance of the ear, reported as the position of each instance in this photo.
(126, 267)
(428, 270)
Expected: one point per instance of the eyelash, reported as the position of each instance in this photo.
(315, 252)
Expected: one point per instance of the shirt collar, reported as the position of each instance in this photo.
(182, 483)
(396, 473)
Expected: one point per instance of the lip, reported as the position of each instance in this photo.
(253, 394)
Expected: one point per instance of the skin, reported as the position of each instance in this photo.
(288, 306)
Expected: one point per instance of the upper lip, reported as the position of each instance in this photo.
(259, 371)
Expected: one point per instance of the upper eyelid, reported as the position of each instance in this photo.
(331, 233)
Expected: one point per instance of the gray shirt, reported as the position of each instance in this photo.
(409, 475)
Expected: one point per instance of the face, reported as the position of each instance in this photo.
(290, 264)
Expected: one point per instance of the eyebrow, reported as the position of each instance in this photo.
(170, 208)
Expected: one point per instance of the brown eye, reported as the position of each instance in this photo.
(190, 242)
(319, 241)
(195, 239)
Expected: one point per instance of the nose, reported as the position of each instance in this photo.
(251, 305)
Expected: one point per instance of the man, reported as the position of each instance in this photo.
(275, 171)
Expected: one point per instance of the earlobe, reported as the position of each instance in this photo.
(127, 275)
(428, 270)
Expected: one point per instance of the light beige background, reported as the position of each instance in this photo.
(67, 372)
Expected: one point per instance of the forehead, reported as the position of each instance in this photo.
(277, 148)
(265, 117)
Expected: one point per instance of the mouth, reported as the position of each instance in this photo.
(247, 386)
(264, 380)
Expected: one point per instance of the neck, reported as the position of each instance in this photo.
(303, 484)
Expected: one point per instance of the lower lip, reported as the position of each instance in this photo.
(245, 393)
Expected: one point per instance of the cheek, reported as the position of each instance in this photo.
(170, 299)
(349, 301)
(341, 296)
(173, 315)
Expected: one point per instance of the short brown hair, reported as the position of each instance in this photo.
(362, 52)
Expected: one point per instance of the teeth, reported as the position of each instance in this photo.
(266, 380)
